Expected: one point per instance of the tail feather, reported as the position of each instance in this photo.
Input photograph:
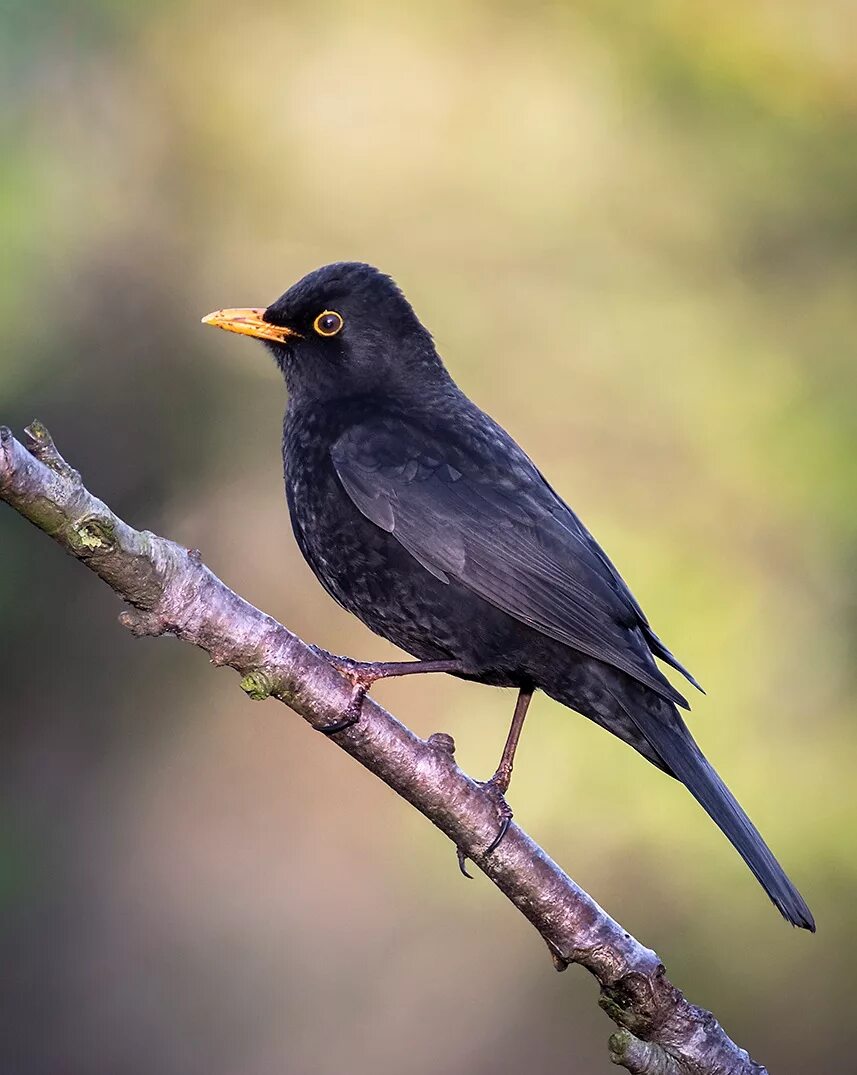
(683, 758)
(660, 650)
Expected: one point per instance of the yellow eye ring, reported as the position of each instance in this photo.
(328, 323)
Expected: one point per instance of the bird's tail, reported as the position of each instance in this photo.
(682, 757)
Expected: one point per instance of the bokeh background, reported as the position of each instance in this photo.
(633, 230)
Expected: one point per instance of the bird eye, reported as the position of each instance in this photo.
(328, 323)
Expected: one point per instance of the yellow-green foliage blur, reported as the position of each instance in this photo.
(632, 229)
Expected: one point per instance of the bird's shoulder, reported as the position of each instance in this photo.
(473, 476)
(444, 445)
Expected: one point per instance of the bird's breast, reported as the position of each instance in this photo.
(367, 571)
(351, 557)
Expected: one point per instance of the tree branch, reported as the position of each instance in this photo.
(171, 591)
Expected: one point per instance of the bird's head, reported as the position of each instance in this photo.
(343, 330)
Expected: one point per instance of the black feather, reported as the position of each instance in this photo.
(423, 517)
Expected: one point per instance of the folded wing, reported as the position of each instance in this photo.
(506, 536)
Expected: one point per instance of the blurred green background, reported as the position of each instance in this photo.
(632, 229)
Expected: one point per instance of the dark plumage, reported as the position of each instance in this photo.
(420, 515)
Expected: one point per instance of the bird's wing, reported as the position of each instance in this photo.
(501, 532)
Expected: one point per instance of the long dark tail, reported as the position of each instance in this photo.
(682, 757)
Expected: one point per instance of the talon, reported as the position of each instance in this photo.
(495, 788)
(352, 713)
(498, 839)
(340, 725)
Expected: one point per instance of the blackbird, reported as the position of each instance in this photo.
(419, 514)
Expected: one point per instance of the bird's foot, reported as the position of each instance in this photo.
(496, 790)
(352, 713)
(362, 674)
(359, 674)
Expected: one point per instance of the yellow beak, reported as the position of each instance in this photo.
(248, 322)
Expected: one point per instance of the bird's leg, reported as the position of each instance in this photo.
(498, 785)
(503, 777)
(363, 674)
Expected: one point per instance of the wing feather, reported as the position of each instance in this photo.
(505, 536)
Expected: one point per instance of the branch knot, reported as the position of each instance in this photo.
(141, 622)
(442, 741)
(91, 533)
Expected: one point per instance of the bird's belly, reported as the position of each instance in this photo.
(371, 575)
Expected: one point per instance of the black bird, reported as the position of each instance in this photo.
(424, 518)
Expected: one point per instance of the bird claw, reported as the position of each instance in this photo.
(462, 863)
(359, 675)
(362, 674)
(505, 822)
(339, 725)
(352, 713)
(494, 788)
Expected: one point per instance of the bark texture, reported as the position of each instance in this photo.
(170, 591)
